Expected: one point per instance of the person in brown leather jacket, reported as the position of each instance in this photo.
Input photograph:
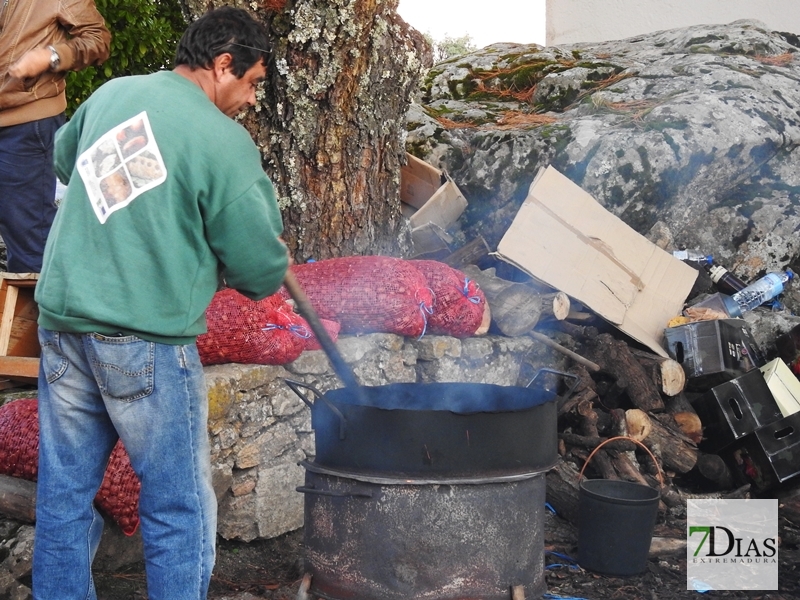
(40, 40)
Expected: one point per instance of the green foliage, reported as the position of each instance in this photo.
(449, 47)
(144, 35)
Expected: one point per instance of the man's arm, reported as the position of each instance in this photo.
(245, 236)
(90, 42)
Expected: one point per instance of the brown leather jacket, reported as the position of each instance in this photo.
(73, 27)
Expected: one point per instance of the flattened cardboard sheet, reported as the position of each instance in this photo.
(565, 238)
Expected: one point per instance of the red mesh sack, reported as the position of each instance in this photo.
(458, 302)
(368, 294)
(332, 327)
(287, 333)
(19, 439)
(118, 496)
(241, 330)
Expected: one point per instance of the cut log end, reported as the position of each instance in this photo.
(483, 329)
(673, 377)
(561, 306)
(638, 422)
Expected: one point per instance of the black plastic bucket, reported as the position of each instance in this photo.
(615, 525)
(616, 520)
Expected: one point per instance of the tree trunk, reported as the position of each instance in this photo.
(330, 124)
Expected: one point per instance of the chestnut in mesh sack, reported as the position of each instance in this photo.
(118, 496)
(240, 330)
(368, 294)
(19, 439)
(458, 302)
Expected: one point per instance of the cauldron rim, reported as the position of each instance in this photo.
(461, 398)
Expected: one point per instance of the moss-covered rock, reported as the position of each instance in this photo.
(690, 131)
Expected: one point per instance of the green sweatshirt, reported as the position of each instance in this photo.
(164, 193)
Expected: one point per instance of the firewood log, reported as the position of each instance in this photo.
(667, 374)
(486, 321)
(563, 490)
(625, 463)
(690, 425)
(585, 389)
(713, 468)
(567, 404)
(685, 417)
(615, 358)
(574, 440)
(517, 307)
(675, 450)
(601, 462)
(626, 468)
(566, 351)
(638, 423)
(588, 418)
(18, 498)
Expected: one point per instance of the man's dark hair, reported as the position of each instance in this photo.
(224, 29)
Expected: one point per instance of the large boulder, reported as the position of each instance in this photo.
(690, 136)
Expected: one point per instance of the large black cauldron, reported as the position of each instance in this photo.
(436, 429)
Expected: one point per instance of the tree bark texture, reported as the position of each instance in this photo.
(331, 121)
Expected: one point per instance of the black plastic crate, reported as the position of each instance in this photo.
(769, 456)
(713, 352)
(731, 410)
(788, 345)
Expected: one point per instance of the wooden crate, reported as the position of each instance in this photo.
(19, 342)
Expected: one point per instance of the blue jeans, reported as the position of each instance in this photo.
(27, 191)
(94, 389)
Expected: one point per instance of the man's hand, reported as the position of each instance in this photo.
(32, 63)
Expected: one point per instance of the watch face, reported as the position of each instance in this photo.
(55, 60)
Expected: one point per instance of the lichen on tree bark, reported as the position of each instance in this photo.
(331, 121)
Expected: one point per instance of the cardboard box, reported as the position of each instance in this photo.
(735, 409)
(713, 352)
(769, 456)
(784, 386)
(431, 201)
(565, 238)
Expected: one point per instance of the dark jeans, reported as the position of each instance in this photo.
(27, 191)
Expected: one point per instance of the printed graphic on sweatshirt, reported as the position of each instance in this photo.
(121, 165)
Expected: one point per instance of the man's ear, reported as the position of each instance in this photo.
(222, 62)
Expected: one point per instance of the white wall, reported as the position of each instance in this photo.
(571, 21)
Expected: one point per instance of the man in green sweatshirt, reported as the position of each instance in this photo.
(165, 193)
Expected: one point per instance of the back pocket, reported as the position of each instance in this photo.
(123, 366)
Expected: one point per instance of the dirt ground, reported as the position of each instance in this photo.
(272, 569)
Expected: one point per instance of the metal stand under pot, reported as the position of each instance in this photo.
(380, 538)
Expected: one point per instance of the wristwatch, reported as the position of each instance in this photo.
(55, 59)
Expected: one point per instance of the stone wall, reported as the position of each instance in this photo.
(260, 429)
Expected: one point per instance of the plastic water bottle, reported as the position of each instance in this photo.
(693, 256)
(757, 293)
